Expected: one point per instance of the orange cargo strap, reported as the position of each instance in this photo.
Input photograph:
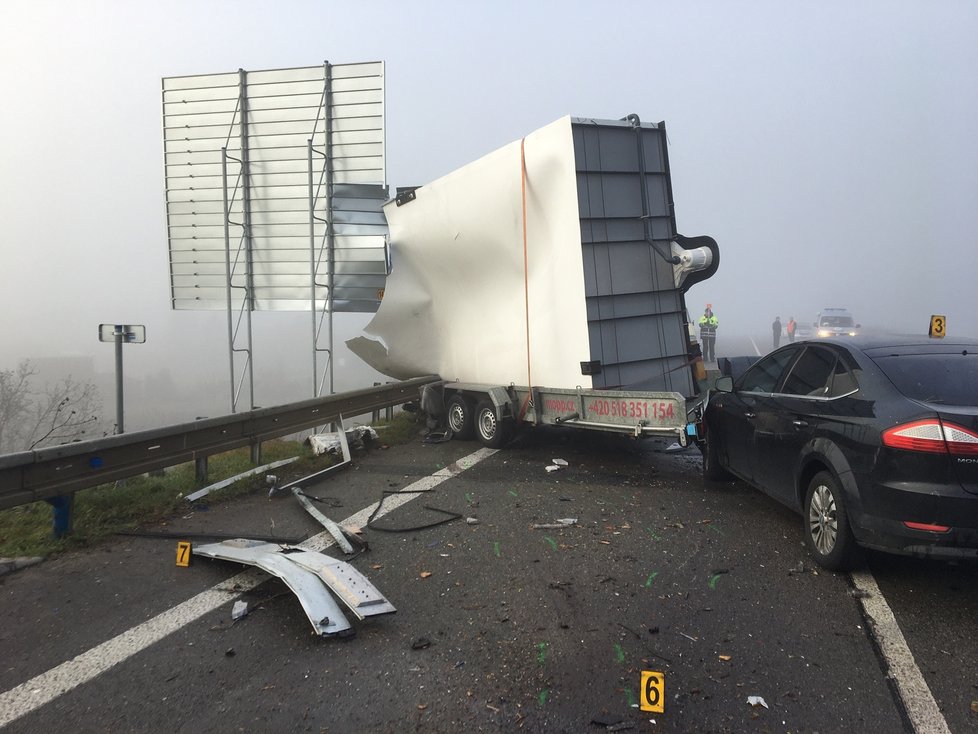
(526, 278)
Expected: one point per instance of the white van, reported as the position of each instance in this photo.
(835, 322)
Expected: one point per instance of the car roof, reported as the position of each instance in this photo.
(877, 344)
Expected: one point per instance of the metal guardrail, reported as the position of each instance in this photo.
(29, 476)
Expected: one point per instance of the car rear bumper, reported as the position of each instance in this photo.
(885, 509)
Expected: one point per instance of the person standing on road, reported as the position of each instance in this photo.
(790, 328)
(708, 333)
(776, 331)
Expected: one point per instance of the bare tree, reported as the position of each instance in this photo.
(15, 403)
(56, 414)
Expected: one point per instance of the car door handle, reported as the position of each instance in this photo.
(800, 424)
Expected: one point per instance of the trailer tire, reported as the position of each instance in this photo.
(493, 432)
(460, 417)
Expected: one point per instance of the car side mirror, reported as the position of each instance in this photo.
(723, 384)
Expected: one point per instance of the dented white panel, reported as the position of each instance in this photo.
(467, 298)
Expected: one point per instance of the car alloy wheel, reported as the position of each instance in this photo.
(827, 533)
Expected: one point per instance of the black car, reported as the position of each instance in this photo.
(873, 439)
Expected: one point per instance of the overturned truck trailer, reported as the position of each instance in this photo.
(544, 283)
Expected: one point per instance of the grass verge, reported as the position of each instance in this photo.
(102, 511)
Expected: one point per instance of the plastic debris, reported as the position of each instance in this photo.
(563, 522)
(239, 610)
(472, 520)
(559, 462)
(331, 443)
(552, 467)
(756, 701)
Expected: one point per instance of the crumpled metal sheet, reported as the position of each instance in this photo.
(322, 610)
(312, 576)
(463, 299)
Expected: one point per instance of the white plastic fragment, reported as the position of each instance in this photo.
(756, 701)
(239, 610)
(559, 462)
(323, 443)
(552, 467)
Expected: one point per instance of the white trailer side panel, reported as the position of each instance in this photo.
(466, 295)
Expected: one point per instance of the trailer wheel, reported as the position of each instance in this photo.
(493, 432)
(460, 418)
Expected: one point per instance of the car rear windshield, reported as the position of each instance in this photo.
(948, 379)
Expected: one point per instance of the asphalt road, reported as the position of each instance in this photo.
(499, 626)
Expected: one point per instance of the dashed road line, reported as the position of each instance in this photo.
(61, 679)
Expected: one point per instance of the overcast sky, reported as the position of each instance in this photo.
(828, 147)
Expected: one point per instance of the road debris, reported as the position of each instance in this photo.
(332, 443)
(194, 496)
(335, 530)
(450, 516)
(756, 701)
(563, 522)
(239, 610)
(311, 576)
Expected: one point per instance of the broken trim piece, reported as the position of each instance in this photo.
(335, 530)
(193, 496)
(351, 587)
(322, 610)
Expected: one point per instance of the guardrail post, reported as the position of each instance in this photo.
(375, 415)
(256, 453)
(62, 506)
(200, 469)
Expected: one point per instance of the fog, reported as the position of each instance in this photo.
(827, 147)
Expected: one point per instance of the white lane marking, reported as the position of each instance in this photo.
(754, 344)
(922, 710)
(46, 687)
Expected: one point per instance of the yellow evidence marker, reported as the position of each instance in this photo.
(653, 692)
(183, 553)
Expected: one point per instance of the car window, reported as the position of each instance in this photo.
(810, 374)
(950, 379)
(764, 375)
(842, 382)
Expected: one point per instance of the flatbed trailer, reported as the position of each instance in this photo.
(492, 413)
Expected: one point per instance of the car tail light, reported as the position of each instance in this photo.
(932, 435)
